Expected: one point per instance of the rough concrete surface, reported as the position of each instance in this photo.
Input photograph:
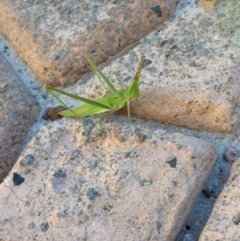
(123, 186)
(52, 36)
(204, 204)
(223, 224)
(193, 66)
(59, 200)
(18, 111)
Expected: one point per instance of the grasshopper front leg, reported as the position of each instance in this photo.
(129, 114)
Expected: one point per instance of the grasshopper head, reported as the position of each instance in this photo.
(134, 88)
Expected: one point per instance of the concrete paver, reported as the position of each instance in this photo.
(18, 111)
(193, 68)
(52, 36)
(123, 186)
(223, 224)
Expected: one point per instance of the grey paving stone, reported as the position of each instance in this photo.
(52, 36)
(70, 183)
(18, 111)
(192, 66)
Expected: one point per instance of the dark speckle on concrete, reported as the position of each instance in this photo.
(27, 160)
(172, 162)
(31, 226)
(146, 62)
(91, 193)
(44, 227)
(93, 164)
(17, 179)
(60, 174)
(145, 182)
(157, 9)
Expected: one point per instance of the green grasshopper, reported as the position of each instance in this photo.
(115, 100)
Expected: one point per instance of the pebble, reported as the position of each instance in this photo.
(230, 155)
(236, 219)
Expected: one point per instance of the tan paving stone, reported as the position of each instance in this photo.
(123, 186)
(193, 66)
(210, 3)
(52, 36)
(18, 111)
(223, 223)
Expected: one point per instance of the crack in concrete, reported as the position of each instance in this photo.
(14, 193)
